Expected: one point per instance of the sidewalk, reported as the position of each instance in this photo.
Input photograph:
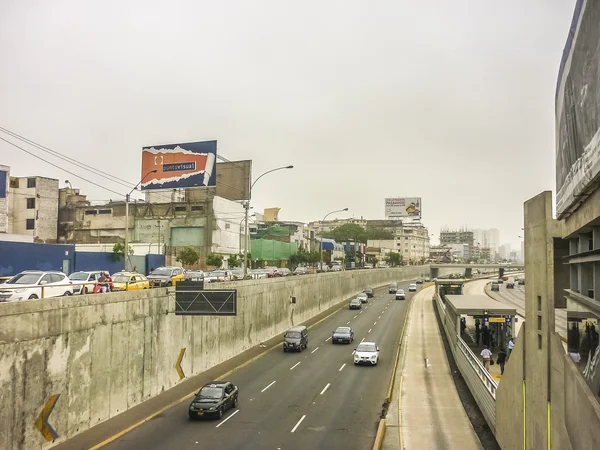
(426, 409)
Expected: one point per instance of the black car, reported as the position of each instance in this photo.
(495, 287)
(355, 303)
(419, 281)
(369, 292)
(213, 400)
(342, 335)
(510, 285)
(521, 282)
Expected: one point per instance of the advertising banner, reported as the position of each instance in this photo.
(179, 165)
(399, 207)
(577, 110)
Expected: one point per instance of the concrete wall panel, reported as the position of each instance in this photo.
(104, 354)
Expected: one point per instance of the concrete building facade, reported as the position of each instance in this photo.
(456, 237)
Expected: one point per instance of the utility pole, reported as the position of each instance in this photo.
(321, 237)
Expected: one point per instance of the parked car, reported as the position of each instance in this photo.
(366, 353)
(258, 274)
(272, 272)
(165, 276)
(129, 281)
(495, 287)
(218, 276)
(364, 298)
(369, 292)
(355, 303)
(400, 295)
(301, 270)
(368, 266)
(342, 335)
(213, 400)
(336, 268)
(84, 281)
(193, 275)
(284, 272)
(34, 284)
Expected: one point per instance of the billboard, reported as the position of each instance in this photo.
(577, 106)
(400, 207)
(179, 165)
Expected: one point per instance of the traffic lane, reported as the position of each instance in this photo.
(157, 433)
(349, 416)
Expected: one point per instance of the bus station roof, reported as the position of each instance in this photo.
(478, 305)
(450, 281)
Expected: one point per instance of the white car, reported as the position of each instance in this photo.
(363, 297)
(29, 285)
(412, 287)
(366, 353)
(217, 276)
(400, 294)
(79, 280)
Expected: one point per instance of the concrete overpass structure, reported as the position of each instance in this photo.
(468, 268)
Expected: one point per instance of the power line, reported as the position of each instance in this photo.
(68, 159)
(60, 168)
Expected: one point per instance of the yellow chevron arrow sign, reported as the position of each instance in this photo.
(41, 423)
(178, 364)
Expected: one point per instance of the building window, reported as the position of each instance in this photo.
(90, 212)
(197, 208)
(105, 211)
(31, 203)
(14, 183)
(30, 224)
(180, 208)
(30, 182)
(227, 226)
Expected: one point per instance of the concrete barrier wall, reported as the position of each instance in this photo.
(103, 354)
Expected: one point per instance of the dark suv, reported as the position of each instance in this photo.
(495, 286)
(296, 339)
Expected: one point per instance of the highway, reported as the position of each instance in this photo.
(316, 399)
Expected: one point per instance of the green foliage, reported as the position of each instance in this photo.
(214, 259)
(394, 259)
(188, 256)
(379, 233)
(119, 252)
(304, 257)
(347, 232)
(234, 261)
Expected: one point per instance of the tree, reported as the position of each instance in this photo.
(234, 261)
(348, 232)
(394, 259)
(379, 233)
(188, 256)
(214, 259)
(119, 251)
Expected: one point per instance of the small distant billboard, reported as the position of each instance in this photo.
(401, 207)
(179, 165)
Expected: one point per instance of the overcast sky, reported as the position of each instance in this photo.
(449, 101)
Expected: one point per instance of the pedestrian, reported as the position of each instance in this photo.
(501, 360)
(477, 335)
(486, 337)
(102, 282)
(511, 345)
(486, 355)
(463, 325)
(109, 282)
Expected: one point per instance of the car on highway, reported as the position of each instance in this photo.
(419, 281)
(84, 281)
(213, 400)
(34, 284)
(521, 282)
(364, 298)
(336, 268)
(369, 292)
(400, 295)
(366, 353)
(393, 288)
(500, 281)
(301, 270)
(165, 276)
(342, 335)
(129, 281)
(510, 285)
(412, 287)
(355, 303)
(296, 338)
(495, 287)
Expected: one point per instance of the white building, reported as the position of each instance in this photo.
(29, 206)
(487, 238)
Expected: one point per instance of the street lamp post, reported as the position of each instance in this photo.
(321, 238)
(127, 218)
(246, 208)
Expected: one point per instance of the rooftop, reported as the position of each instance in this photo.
(478, 305)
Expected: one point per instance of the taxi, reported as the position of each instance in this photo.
(129, 281)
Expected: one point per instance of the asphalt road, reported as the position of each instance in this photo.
(316, 399)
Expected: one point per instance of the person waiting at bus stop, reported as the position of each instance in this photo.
(486, 356)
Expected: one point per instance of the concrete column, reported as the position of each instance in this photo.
(596, 237)
(597, 281)
(585, 277)
(434, 272)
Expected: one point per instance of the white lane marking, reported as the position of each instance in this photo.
(355, 316)
(379, 317)
(360, 312)
(347, 322)
(296, 365)
(271, 384)
(362, 339)
(328, 339)
(312, 352)
(375, 323)
(325, 388)
(343, 365)
(299, 422)
(228, 417)
(369, 330)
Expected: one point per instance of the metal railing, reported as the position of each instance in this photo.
(478, 367)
